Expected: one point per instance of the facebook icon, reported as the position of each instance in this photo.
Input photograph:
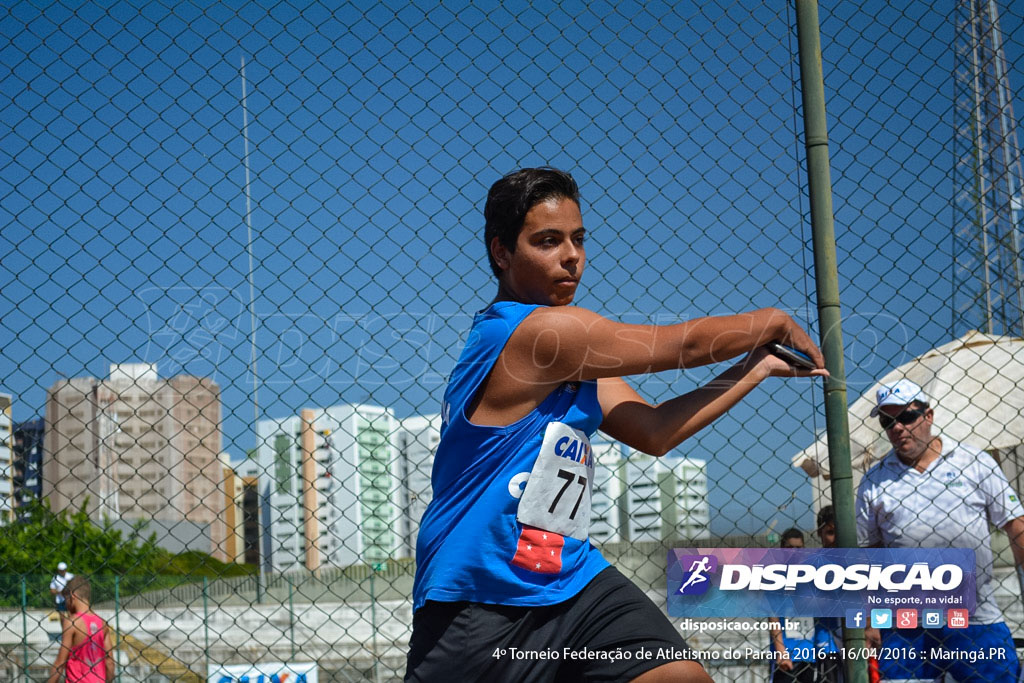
(854, 618)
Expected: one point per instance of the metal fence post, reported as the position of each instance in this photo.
(827, 280)
(206, 626)
(24, 628)
(291, 614)
(373, 625)
(117, 621)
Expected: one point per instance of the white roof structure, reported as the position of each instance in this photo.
(976, 384)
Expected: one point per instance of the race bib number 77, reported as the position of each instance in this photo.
(557, 495)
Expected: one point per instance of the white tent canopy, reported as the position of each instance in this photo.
(976, 385)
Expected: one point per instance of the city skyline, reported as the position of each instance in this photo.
(344, 450)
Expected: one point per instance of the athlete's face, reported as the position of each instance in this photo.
(548, 261)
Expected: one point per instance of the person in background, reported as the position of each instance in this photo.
(795, 650)
(86, 652)
(828, 633)
(932, 492)
(60, 580)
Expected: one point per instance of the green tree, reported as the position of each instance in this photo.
(31, 547)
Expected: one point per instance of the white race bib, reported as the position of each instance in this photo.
(557, 495)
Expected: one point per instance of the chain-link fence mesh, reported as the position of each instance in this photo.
(242, 248)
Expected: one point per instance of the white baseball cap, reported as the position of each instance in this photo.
(899, 393)
(62, 566)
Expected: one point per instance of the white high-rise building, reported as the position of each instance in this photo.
(606, 500)
(667, 498)
(6, 460)
(690, 514)
(417, 440)
(358, 496)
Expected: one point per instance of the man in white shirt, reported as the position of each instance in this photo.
(931, 492)
(60, 579)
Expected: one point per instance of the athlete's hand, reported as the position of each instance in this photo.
(767, 364)
(791, 334)
(784, 664)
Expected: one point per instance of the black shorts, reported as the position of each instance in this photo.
(610, 631)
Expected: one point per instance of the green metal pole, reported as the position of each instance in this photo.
(827, 281)
(24, 629)
(206, 627)
(117, 622)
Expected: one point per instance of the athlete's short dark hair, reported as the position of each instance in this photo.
(826, 515)
(512, 197)
(789, 533)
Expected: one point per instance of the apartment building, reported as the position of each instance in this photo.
(357, 495)
(417, 438)
(139, 447)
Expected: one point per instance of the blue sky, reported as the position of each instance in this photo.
(374, 135)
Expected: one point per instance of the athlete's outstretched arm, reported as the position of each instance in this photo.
(657, 429)
(568, 343)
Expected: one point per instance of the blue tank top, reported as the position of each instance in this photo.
(469, 537)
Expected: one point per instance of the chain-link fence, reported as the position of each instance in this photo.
(242, 249)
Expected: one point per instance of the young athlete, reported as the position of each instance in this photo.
(86, 652)
(508, 586)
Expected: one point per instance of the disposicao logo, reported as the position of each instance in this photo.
(830, 577)
(817, 582)
(697, 578)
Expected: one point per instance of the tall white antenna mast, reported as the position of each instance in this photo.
(252, 284)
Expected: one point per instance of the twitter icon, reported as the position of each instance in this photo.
(881, 618)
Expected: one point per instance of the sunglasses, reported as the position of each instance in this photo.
(906, 418)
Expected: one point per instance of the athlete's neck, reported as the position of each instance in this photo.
(505, 293)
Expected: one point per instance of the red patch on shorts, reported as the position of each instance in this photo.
(539, 551)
